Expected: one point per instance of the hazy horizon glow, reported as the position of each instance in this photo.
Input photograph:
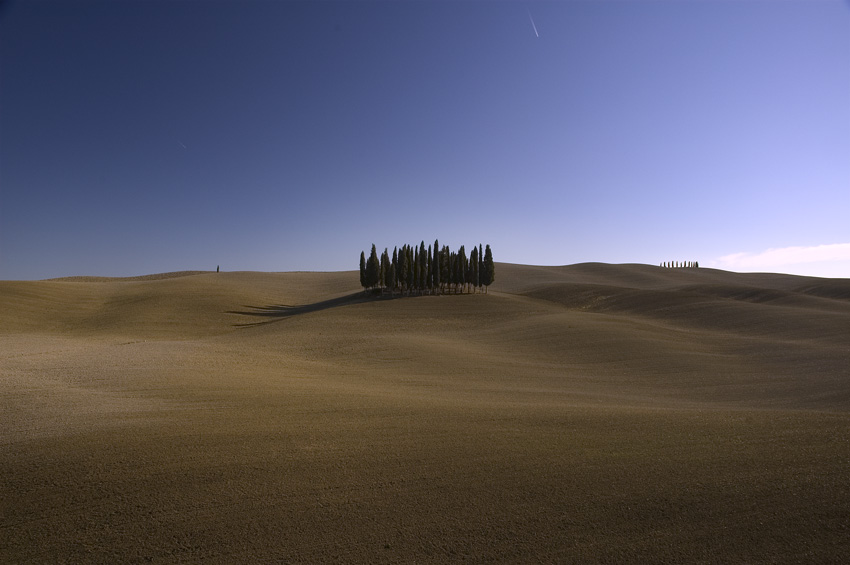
(140, 137)
(820, 260)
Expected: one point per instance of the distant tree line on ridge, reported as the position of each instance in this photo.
(680, 264)
(436, 270)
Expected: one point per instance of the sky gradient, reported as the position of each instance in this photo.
(149, 136)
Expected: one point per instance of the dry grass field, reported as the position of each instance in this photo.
(589, 413)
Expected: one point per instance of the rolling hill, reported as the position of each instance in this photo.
(590, 412)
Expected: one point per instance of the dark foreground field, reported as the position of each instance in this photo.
(590, 413)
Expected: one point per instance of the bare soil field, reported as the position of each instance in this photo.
(587, 413)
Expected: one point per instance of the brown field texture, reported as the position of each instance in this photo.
(588, 413)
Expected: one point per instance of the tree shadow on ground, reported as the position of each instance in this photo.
(276, 313)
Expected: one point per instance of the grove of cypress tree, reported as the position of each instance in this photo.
(413, 268)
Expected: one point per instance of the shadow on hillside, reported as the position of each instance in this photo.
(280, 312)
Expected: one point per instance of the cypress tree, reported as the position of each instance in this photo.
(480, 266)
(423, 267)
(473, 268)
(453, 271)
(363, 269)
(382, 280)
(411, 269)
(435, 265)
(489, 267)
(395, 268)
(402, 268)
(430, 279)
(373, 268)
(390, 277)
(460, 268)
(416, 268)
(467, 275)
(445, 266)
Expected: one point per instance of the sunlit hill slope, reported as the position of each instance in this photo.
(759, 339)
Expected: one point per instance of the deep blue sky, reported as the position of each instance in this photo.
(140, 137)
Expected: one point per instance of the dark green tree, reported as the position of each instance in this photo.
(461, 267)
(423, 267)
(450, 269)
(435, 266)
(473, 268)
(480, 265)
(390, 275)
(402, 268)
(452, 262)
(411, 270)
(363, 269)
(416, 267)
(445, 267)
(489, 267)
(395, 268)
(385, 269)
(430, 278)
(373, 269)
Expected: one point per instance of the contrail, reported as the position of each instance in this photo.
(183, 145)
(532, 23)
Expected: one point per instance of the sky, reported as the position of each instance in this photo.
(150, 136)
